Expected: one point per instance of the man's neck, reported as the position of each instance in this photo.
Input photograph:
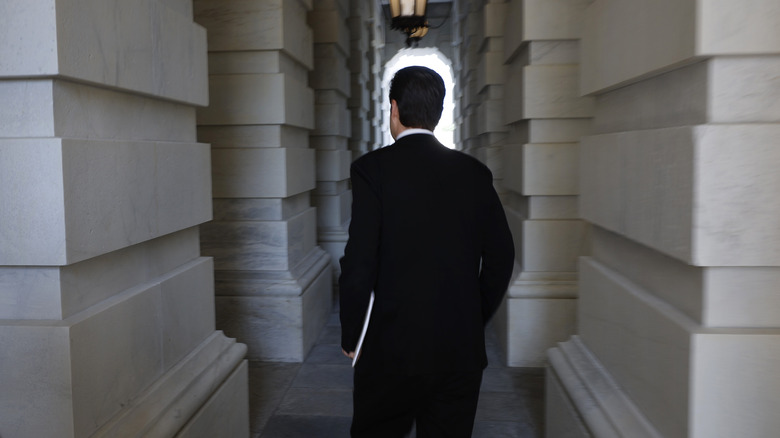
(410, 131)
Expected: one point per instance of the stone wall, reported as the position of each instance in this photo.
(106, 306)
(273, 283)
(546, 118)
(679, 334)
(331, 81)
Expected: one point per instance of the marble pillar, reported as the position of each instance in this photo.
(273, 283)
(678, 327)
(360, 62)
(106, 305)
(330, 80)
(546, 118)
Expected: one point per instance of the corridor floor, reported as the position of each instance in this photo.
(314, 399)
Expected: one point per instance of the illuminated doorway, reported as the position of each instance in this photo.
(436, 61)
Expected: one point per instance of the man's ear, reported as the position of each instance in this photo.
(393, 108)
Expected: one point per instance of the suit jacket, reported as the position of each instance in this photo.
(430, 238)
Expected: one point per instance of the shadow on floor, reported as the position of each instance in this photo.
(314, 399)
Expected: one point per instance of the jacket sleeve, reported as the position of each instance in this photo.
(359, 265)
(498, 253)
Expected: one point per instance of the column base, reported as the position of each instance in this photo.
(539, 310)
(206, 391)
(582, 400)
(278, 315)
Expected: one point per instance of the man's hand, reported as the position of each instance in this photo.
(350, 355)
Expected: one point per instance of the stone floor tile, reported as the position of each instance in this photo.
(268, 382)
(307, 426)
(327, 353)
(502, 406)
(311, 401)
(324, 376)
(330, 335)
(505, 429)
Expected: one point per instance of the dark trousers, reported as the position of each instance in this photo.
(441, 405)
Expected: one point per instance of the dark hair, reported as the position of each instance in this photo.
(419, 94)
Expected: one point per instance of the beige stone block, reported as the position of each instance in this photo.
(179, 395)
(561, 418)
(735, 207)
(332, 119)
(734, 384)
(491, 70)
(279, 328)
(674, 210)
(126, 335)
(53, 293)
(534, 326)
(82, 111)
(32, 216)
(620, 44)
(260, 245)
(490, 117)
(553, 91)
(245, 62)
(550, 169)
(582, 399)
(254, 136)
(90, 204)
(679, 97)
(643, 343)
(225, 413)
(33, 49)
(741, 297)
(552, 52)
(183, 7)
(330, 26)
(262, 172)
(557, 130)
(27, 108)
(553, 245)
(187, 309)
(266, 25)
(679, 284)
(730, 28)
(553, 20)
(329, 142)
(145, 47)
(333, 211)
(42, 352)
(513, 176)
(553, 207)
(333, 165)
(330, 69)
(494, 16)
(744, 89)
(644, 192)
(258, 99)
(542, 285)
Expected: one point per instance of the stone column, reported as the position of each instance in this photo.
(273, 282)
(360, 57)
(376, 60)
(106, 306)
(546, 117)
(331, 82)
(469, 17)
(679, 311)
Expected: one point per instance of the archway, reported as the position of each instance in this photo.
(435, 60)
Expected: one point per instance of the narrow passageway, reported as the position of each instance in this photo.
(314, 399)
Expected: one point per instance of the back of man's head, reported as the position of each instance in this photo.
(419, 94)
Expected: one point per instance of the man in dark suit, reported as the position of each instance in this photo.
(430, 238)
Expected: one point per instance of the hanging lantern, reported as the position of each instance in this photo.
(409, 18)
